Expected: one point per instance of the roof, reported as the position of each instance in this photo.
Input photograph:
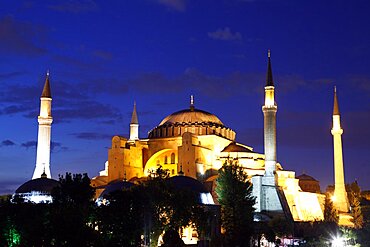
(46, 92)
(305, 177)
(184, 182)
(116, 186)
(269, 80)
(44, 185)
(234, 147)
(336, 106)
(134, 119)
(191, 116)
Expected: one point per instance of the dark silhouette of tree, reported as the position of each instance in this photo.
(119, 220)
(72, 218)
(171, 238)
(234, 193)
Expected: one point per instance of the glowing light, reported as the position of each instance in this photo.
(333, 198)
(206, 198)
(337, 242)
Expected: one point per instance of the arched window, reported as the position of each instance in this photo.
(165, 159)
(173, 158)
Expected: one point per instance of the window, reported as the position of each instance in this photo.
(165, 159)
(173, 158)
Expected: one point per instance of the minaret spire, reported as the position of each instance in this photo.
(46, 93)
(269, 80)
(134, 125)
(44, 134)
(340, 198)
(336, 106)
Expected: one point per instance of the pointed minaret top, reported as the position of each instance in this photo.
(269, 80)
(134, 119)
(46, 93)
(191, 102)
(336, 106)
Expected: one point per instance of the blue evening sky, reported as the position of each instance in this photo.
(103, 55)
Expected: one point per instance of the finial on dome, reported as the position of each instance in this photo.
(181, 173)
(43, 175)
(191, 102)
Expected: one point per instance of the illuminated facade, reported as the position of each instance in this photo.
(197, 143)
(44, 134)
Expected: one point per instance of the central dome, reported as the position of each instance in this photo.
(189, 116)
(191, 120)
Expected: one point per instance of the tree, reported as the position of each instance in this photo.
(234, 193)
(330, 213)
(72, 218)
(166, 208)
(358, 219)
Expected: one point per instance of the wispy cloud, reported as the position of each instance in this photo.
(9, 75)
(177, 5)
(29, 144)
(92, 136)
(7, 143)
(21, 38)
(106, 55)
(75, 6)
(225, 34)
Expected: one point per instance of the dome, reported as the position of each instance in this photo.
(184, 182)
(188, 183)
(191, 116)
(192, 120)
(116, 186)
(42, 185)
(236, 148)
(306, 177)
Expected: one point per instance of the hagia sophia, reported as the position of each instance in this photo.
(195, 143)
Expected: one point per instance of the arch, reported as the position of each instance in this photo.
(173, 158)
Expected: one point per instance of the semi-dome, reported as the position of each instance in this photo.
(37, 190)
(43, 185)
(192, 120)
(194, 185)
(116, 186)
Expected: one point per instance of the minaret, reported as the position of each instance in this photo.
(269, 114)
(134, 125)
(43, 141)
(264, 187)
(340, 198)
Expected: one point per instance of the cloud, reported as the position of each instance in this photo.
(29, 144)
(7, 143)
(21, 37)
(238, 83)
(75, 6)
(56, 147)
(86, 109)
(225, 34)
(178, 5)
(9, 75)
(106, 55)
(92, 136)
